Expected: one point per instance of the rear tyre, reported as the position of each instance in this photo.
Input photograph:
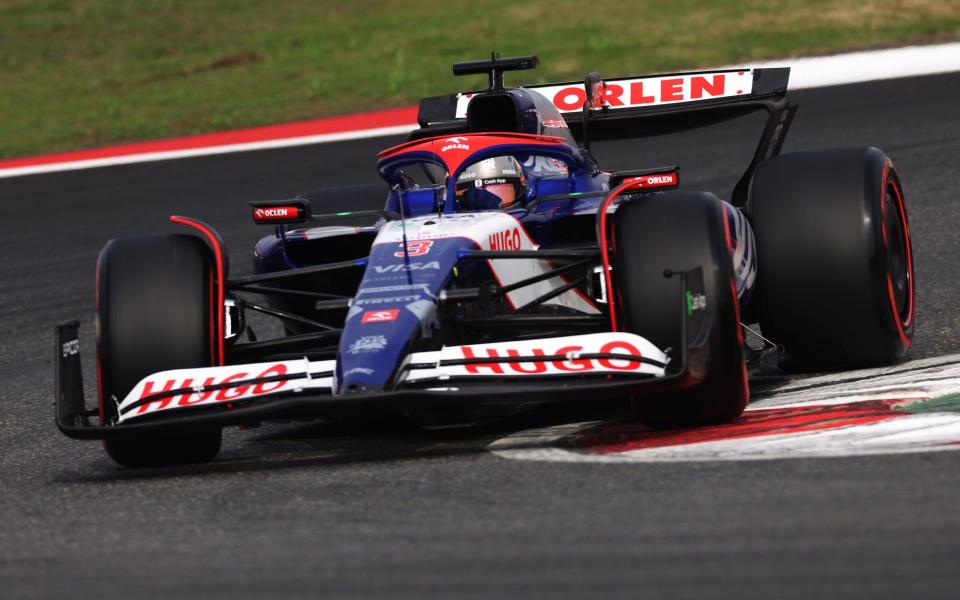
(835, 269)
(154, 307)
(681, 231)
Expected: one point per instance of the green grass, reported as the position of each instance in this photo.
(84, 73)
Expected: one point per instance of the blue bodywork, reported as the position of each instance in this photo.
(370, 352)
(401, 290)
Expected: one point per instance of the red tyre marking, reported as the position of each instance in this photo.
(906, 233)
(736, 311)
(212, 303)
(901, 324)
(604, 254)
(726, 231)
(218, 358)
(740, 342)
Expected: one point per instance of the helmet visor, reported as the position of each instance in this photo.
(505, 191)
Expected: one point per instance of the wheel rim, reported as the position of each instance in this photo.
(899, 260)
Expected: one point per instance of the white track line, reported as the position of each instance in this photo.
(872, 65)
(207, 151)
(812, 72)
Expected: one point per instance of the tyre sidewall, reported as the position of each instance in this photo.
(154, 310)
(822, 276)
(681, 231)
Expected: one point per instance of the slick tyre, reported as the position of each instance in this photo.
(835, 265)
(154, 307)
(681, 231)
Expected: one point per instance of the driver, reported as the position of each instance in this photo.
(491, 184)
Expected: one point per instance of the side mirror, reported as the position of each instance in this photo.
(422, 201)
(277, 212)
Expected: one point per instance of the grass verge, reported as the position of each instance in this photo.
(81, 73)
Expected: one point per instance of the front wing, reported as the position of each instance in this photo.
(528, 372)
(542, 371)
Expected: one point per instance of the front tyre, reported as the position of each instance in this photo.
(681, 231)
(154, 311)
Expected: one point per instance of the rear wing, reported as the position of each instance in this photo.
(633, 107)
(677, 90)
(634, 96)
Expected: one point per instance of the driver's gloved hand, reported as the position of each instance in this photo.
(475, 199)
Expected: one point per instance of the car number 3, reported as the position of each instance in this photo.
(415, 248)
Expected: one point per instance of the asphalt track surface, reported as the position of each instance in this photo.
(383, 509)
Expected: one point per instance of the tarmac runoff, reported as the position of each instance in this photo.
(810, 72)
(912, 407)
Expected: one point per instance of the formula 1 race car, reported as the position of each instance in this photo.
(507, 270)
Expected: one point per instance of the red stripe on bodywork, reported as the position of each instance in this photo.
(604, 250)
(630, 184)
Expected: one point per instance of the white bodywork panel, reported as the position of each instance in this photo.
(318, 375)
(572, 347)
(492, 231)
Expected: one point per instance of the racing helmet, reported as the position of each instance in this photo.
(493, 183)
